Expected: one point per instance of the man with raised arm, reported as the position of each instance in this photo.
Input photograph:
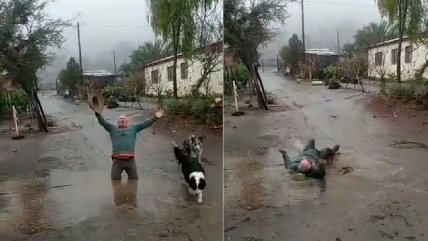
(123, 137)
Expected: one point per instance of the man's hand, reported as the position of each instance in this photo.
(159, 113)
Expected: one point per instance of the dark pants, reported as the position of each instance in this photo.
(119, 166)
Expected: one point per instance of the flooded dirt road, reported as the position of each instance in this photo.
(57, 186)
(377, 189)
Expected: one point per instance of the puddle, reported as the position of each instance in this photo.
(56, 198)
(403, 144)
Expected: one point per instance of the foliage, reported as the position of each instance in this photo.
(409, 15)
(375, 33)
(349, 49)
(248, 28)
(413, 90)
(147, 53)
(109, 91)
(27, 35)
(331, 71)
(209, 41)
(239, 74)
(126, 68)
(352, 67)
(200, 109)
(17, 98)
(71, 75)
(133, 85)
(174, 21)
(112, 102)
(292, 52)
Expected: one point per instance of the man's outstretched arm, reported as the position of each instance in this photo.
(143, 125)
(107, 126)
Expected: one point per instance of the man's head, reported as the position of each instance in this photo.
(304, 165)
(122, 122)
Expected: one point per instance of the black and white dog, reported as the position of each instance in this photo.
(193, 147)
(193, 172)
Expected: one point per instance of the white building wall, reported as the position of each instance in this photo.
(419, 54)
(184, 86)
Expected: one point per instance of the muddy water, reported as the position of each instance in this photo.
(57, 187)
(373, 191)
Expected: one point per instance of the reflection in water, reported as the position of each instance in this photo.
(322, 185)
(125, 193)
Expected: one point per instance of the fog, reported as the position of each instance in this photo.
(120, 26)
(106, 26)
(322, 20)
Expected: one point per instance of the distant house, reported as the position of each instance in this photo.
(99, 78)
(159, 74)
(325, 57)
(382, 58)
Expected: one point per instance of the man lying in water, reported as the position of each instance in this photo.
(311, 161)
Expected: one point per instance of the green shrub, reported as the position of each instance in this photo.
(109, 91)
(112, 102)
(200, 109)
(17, 98)
(413, 90)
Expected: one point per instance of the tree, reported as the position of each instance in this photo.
(379, 68)
(292, 52)
(375, 33)
(408, 15)
(27, 34)
(349, 49)
(248, 28)
(149, 52)
(174, 21)
(209, 42)
(134, 86)
(70, 76)
(125, 68)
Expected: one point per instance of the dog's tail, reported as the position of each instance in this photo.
(179, 154)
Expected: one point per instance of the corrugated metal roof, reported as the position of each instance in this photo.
(97, 73)
(321, 52)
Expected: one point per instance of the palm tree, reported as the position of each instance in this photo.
(149, 52)
(375, 33)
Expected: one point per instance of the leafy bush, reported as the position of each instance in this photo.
(239, 74)
(414, 90)
(112, 102)
(17, 98)
(109, 91)
(200, 109)
(331, 71)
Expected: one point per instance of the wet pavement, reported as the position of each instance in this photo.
(57, 186)
(377, 189)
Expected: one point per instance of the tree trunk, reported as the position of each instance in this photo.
(38, 111)
(402, 15)
(175, 40)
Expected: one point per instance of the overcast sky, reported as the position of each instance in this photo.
(108, 25)
(322, 19)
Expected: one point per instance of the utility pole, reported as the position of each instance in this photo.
(80, 50)
(114, 62)
(303, 32)
(338, 43)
